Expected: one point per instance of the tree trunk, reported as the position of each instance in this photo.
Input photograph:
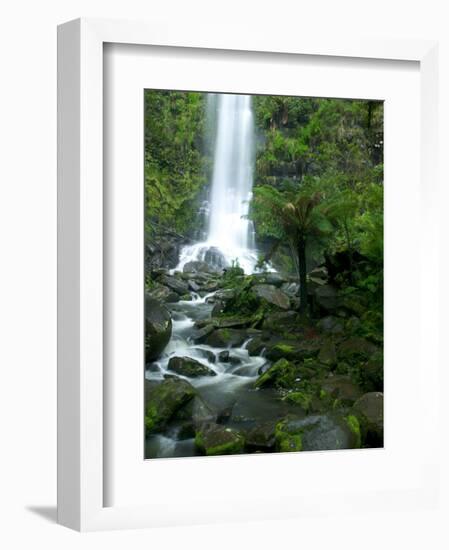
(302, 276)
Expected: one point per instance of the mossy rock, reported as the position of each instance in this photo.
(261, 437)
(164, 400)
(215, 440)
(328, 353)
(272, 295)
(226, 337)
(287, 438)
(158, 328)
(342, 388)
(318, 433)
(300, 398)
(185, 366)
(293, 350)
(282, 374)
(356, 348)
(369, 410)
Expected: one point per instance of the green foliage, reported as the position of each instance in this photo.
(175, 167)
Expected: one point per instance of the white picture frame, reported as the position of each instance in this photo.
(81, 475)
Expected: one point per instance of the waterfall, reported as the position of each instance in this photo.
(230, 235)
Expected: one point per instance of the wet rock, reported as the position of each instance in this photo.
(341, 388)
(225, 294)
(293, 350)
(163, 294)
(233, 322)
(226, 337)
(327, 297)
(317, 433)
(369, 409)
(207, 354)
(164, 400)
(274, 279)
(226, 357)
(328, 353)
(319, 273)
(175, 284)
(215, 439)
(282, 321)
(261, 437)
(255, 346)
(281, 374)
(185, 366)
(199, 267)
(357, 347)
(331, 324)
(199, 336)
(272, 295)
(291, 289)
(372, 373)
(193, 286)
(193, 415)
(158, 328)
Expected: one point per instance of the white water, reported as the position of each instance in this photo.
(230, 235)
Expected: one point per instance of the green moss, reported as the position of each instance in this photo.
(151, 417)
(284, 348)
(323, 394)
(300, 398)
(225, 442)
(281, 374)
(354, 426)
(287, 441)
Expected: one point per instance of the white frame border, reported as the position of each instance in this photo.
(80, 236)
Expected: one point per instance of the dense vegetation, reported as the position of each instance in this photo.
(317, 209)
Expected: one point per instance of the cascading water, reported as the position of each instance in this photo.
(230, 235)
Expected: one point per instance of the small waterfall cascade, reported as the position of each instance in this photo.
(230, 235)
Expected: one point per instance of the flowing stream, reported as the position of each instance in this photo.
(231, 388)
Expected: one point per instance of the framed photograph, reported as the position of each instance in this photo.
(235, 325)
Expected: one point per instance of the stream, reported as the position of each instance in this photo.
(231, 390)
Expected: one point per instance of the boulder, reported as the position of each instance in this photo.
(207, 354)
(164, 400)
(318, 433)
(319, 273)
(226, 357)
(369, 410)
(175, 284)
(199, 267)
(282, 374)
(291, 289)
(193, 286)
(327, 297)
(185, 366)
(193, 415)
(328, 353)
(158, 328)
(226, 337)
(357, 347)
(331, 324)
(282, 321)
(270, 278)
(272, 295)
(341, 388)
(163, 294)
(293, 350)
(261, 437)
(255, 346)
(200, 335)
(215, 439)
(372, 373)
